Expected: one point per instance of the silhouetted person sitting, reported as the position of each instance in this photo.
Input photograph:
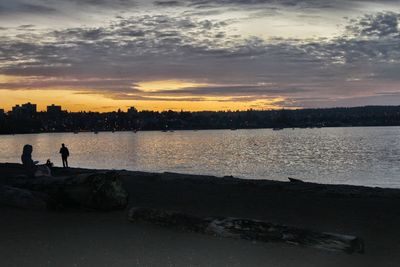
(64, 155)
(27, 161)
(30, 165)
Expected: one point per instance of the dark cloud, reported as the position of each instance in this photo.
(144, 39)
(310, 3)
(184, 41)
(121, 96)
(62, 8)
(26, 26)
(32, 8)
(371, 39)
(97, 3)
(168, 3)
(298, 4)
(228, 2)
(233, 93)
(12, 8)
(376, 25)
(350, 101)
(109, 85)
(232, 90)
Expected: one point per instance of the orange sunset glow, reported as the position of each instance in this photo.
(85, 99)
(76, 101)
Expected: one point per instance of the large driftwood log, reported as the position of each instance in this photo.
(248, 229)
(96, 191)
(22, 198)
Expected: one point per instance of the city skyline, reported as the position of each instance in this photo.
(58, 108)
(199, 54)
(48, 108)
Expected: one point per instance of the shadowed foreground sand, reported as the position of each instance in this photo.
(76, 238)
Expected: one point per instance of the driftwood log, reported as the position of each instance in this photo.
(96, 191)
(22, 198)
(248, 229)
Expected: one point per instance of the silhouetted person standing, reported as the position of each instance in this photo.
(64, 155)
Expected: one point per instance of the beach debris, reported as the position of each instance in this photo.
(107, 191)
(94, 191)
(248, 229)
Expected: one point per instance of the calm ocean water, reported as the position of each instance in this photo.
(360, 156)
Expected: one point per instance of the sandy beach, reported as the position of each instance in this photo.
(83, 238)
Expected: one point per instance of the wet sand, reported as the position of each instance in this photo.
(78, 238)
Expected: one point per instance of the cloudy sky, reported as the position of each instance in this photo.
(199, 54)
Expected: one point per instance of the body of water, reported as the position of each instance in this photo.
(361, 156)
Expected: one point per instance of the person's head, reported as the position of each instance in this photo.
(62, 145)
(27, 149)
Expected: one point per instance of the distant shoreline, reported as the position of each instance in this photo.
(205, 129)
(28, 120)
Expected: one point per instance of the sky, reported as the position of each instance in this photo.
(199, 54)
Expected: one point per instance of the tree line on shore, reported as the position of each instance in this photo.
(183, 120)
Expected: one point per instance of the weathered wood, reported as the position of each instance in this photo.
(294, 180)
(22, 198)
(248, 229)
(97, 191)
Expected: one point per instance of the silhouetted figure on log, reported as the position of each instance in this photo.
(64, 155)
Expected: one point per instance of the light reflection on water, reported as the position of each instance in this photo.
(362, 156)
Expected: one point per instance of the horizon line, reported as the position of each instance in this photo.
(197, 111)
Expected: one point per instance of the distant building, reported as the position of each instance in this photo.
(53, 109)
(132, 110)
(25, 110)
(30, 108)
